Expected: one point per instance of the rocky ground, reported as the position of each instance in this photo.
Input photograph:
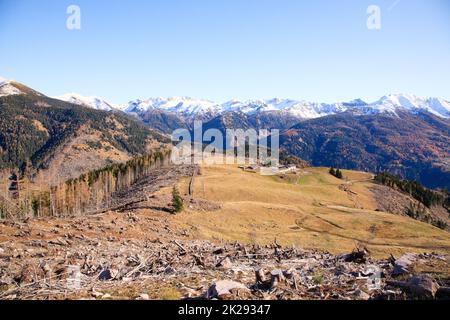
(139, 254)
(134, 250)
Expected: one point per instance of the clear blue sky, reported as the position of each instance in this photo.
(224, 49)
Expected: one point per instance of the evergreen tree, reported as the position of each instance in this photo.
(426, 196)
(177, 201)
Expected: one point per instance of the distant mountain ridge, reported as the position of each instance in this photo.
(190, 108)
(92, 102)
(168, 114)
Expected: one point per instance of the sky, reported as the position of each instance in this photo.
(220, 50)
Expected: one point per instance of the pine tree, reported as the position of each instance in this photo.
(177, 201)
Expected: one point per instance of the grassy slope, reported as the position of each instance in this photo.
(307, 210)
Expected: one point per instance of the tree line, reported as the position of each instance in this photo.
(90, 192)
(426, 196)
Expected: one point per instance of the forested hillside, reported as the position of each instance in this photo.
(413, 146)
(33, 127)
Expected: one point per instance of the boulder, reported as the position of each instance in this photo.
(144, 296)
(225, 264)
(276, 277)
(224, 289)
(418, 287)
(422, 287)
(170, 270)
(401, 265)
(260, 275)
(107, 274)
(361, 295)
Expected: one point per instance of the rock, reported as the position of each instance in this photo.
(225, 264)
(361, 295)
(96, 294)
(46, 268)
(2, 250)
(401, 265)
(260, 275)
(106, 296)
(422, 287)
(289, 274)
(418, 287)
(223, 289)
(107, 274)
(27, 274)
(144, 296)
(276, 277)
(169, 270)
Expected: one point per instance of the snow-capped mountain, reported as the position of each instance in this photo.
(190, 108)
(7, 87)
(310, 110)
(184, 106)
(92, 102)
(407, 102)
(300, 109)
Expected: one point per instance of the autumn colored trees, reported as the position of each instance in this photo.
(89, 192)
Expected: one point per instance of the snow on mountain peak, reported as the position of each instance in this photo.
(92, 102)
(7, 88)
(183, 105)
(189, 107)
(408, 102)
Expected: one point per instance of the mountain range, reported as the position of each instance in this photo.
(196, 108)
(403, 134)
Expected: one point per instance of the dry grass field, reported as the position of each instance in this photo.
(310, 209)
